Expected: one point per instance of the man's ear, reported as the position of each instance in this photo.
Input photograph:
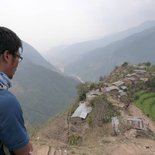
(6, 55)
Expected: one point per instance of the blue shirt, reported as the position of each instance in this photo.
(12, 130)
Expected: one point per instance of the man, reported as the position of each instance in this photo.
(13, 134)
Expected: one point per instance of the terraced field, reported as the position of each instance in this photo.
(146, 102)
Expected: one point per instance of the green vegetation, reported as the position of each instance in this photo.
(146, 102)
(75, 140)
(152, 68)
(151, 83)
(102, 111)
(125, 64)
(84, 88)
(72, 107)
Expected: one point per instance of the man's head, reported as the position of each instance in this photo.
(10, 51)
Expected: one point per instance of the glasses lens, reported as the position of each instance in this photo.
(20, 57)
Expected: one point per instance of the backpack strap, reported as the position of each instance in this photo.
(0, 145)
(5, 149)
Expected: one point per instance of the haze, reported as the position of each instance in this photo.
(48, 23)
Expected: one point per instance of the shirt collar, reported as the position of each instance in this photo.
(5, 82)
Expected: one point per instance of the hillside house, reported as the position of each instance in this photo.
(106, 85)
(118, 83)
(139, 71)
(142, 67)
(134, 75)
(81, 112)
(112, 90)
(122, 93)
(124, 123)
(144, 79)
(133, 80)
(136, 123)
(122, 96)
(127, 82)
(124, 88)
(92, 94)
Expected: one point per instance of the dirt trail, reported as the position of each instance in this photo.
(138, 113)
(47, 150)
(134, 111)
(118, 145)
(132, 147)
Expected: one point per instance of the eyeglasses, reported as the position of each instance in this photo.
(20, 57)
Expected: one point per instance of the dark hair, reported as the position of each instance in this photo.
(9, 41)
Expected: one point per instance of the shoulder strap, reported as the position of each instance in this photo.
(1, 144)
(5, 149)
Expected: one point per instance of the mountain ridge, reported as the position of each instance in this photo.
(59, 56)
(101, 61)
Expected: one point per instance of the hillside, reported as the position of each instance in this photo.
(112, 98)
(42, 90)
(136, 48)
(32, 55)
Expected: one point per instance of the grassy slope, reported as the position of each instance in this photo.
(146, 102)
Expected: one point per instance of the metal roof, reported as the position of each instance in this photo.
(108, 89)
(118, 83)
(82, 111)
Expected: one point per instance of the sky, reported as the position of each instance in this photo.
(48, 23)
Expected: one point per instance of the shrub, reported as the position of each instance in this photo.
(72, 107)
(82, 89)
(125, 64)
(102, 111)
(151, 82)
(75, 140)
(89, 120)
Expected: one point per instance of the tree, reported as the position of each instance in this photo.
(148, 64)
(125, 64)
(101, 78)
(151, 82)
(82, 89)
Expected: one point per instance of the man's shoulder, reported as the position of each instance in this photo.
(6, 93)
(8, 100)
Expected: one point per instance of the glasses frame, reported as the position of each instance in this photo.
(19, 56)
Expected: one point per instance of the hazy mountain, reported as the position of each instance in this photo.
(42, 92)
(32, 54)
(139, 47)
(64, 56)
